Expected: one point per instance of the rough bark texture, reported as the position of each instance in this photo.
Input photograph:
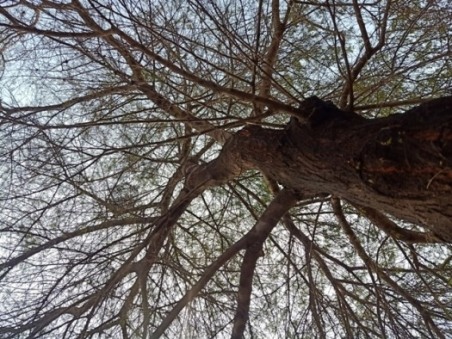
(401, 165)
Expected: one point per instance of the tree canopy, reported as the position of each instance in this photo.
(212, 169)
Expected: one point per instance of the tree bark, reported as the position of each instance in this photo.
(400, 165)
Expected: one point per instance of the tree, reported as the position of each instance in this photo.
(226, 169)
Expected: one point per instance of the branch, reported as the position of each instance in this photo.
(205, 278)
(274, 212)
(139, 80)
(272, 52)
(390, 104)
(395, 231)
(316, 252)
(272, 104)
(66, 104)
(259, 233)
(66, 236)
(375, 268)
(200, 125)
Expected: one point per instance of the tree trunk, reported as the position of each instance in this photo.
(400, 165)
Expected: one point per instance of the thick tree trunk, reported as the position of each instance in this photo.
(401, 165)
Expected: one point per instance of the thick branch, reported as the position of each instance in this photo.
(401, 165)
(392, 229)
(274, 212)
